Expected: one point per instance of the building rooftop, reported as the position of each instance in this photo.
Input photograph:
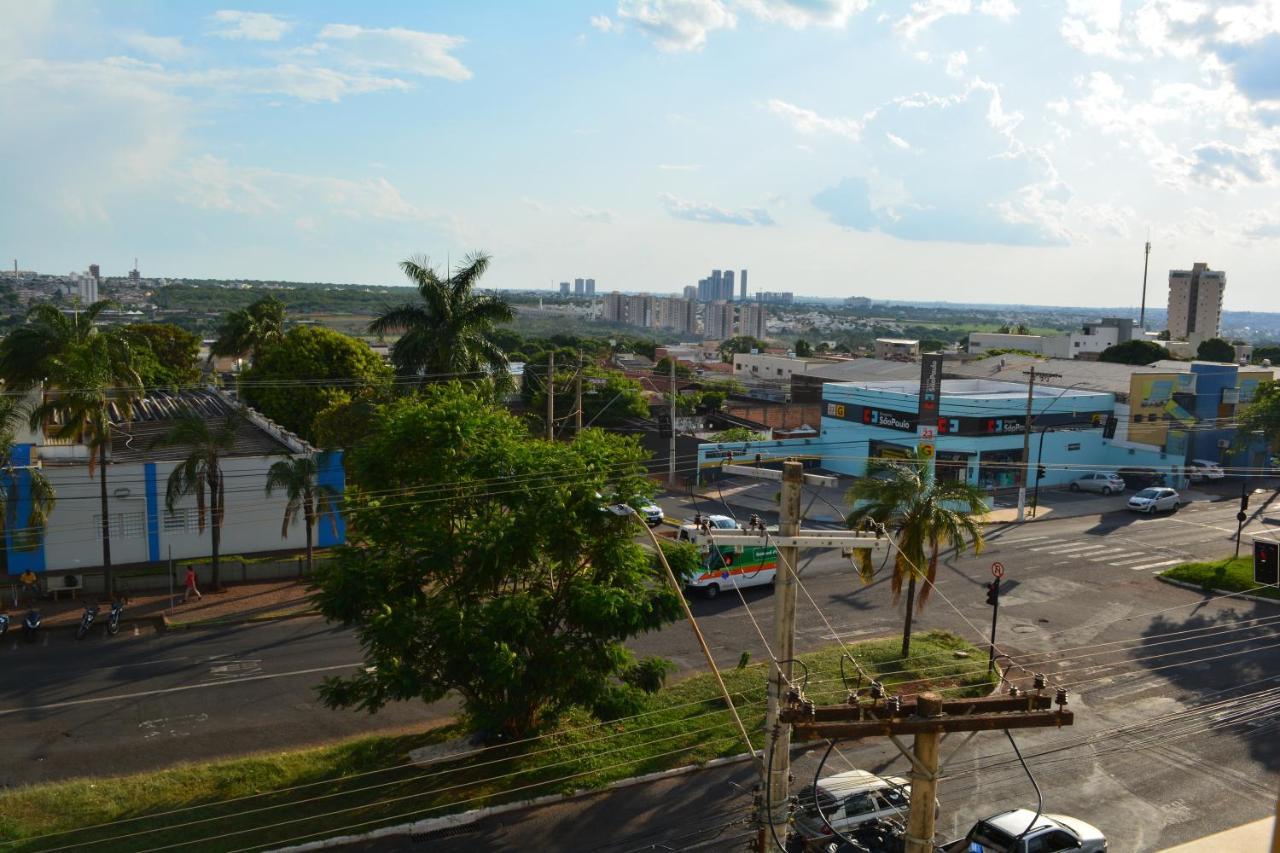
(132, 439)
(987, 389)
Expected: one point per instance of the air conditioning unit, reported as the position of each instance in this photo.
(1223, 443)
(67, 582)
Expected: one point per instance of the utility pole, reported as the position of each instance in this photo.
(778, 737)
(1142, 312)
(551, 395)
(671, 448)
(1026, 449)
(924, 777)
(577, 403)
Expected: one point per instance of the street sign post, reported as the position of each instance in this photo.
(993, 598)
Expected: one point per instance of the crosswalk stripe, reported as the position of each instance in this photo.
(1107, 554)
(1157, 565)
(1016, 541)
(1130, 557)
(1073, 550)
(1060, 543)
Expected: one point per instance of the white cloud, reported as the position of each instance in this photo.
(605, 24)
(304, 82)
(697, 211)
(249, 26)
(398, 50)
(809, 122)
(925, 13)
(956, 63)
(898, 141)
(799, 14)
(167, 48)
(590, 214)
(677, 25)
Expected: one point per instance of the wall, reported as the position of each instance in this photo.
(981, 342)
(1153, 407)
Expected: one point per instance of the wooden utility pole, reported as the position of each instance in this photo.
(671, 448)
(577, 402)
(1026, 448)
(926, 717)
(778, 737)
(551, 395)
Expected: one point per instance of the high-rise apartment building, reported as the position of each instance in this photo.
(611, 308)
(691, 291)
(674, 313)
(579, 287)
(727, 284)
(564, 288)
(717, 324)
(1195, 303)
(751, 320)
(742, 285)
(591, 287)
(774, 297)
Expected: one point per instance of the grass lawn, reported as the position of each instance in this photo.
(1226, 574)
(361, 784)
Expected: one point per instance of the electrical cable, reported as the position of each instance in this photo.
(1034, 784)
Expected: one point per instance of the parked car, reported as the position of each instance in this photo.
(1205, 469)
(1141, 478)
(849, 799)
(1155, 500)
(649, 511)
(1050, 834)
(716, 522)
(1105, 482)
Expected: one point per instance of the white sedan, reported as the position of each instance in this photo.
(1155, 500)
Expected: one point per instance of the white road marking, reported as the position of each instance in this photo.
(1017, 541)
(170, 725)
(1078, 550)
(1105, 554)
(1158, 565)
(1053, 546)
(179, 689)
(236, 668)
(1128, 561)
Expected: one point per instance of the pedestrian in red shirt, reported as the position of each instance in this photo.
(191, 585)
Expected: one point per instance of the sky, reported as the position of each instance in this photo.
(961, 150)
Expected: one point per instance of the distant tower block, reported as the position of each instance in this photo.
(742, 285)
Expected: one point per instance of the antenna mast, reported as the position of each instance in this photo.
(1142, 314)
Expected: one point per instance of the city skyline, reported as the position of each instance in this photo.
(313, 142)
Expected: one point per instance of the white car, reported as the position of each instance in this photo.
(849, 799)
(1051, 834)
(649, 511)
(716, 522)
(1205, 469)
(1155, 499)
(1106, 482)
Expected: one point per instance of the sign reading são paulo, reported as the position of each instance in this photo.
(907, 421)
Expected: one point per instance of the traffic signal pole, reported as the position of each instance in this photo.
(993, 598)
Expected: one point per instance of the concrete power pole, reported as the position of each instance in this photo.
(671, 448)
(577, 404)
(1026, 449)
(924, 778)
(551, 395)
(778, 736)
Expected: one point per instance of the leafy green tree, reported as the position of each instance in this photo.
(921, 513)
(822, 348)
(739, 433)
(167, 355)
(1269, 352)
(740, 344)
(517, 598)
(663, 368)
(200, 472)
(712, 401)
(249, 331)
(446, 334)
(1262, 415)
(932, 345)
(1216, 349)
(608, 397)
(305, 496)
(1164, 335)
(1134, 352)
(31, 351)
(311, 369)
(804, 349)
(40, 491)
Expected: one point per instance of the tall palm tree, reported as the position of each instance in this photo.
(922, 513)
(26, 352)
(200, 471)
(250, 330)
(445, 333)
(297, 477)
(87, 384)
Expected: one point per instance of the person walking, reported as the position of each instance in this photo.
(191, 586)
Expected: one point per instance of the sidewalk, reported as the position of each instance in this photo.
(240, 602)
(1059, 503)
(1250, 838)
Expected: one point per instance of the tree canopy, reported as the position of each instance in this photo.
(1134, 352)
(1270, 352)
(307, 372)
(250, 330)
(1216, 349)
(740, 344)
(517, 598)
(1262, 415)
(167, 356)
(663, 368)
(804, 349)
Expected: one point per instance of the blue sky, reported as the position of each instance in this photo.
(971, 150)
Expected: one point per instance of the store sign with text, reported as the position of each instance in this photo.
(1012, 425)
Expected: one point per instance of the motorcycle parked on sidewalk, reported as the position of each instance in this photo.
(31, 625)
(86, 620)
(4, 624)
(113, 618)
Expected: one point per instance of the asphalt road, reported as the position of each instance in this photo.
(1083, 586)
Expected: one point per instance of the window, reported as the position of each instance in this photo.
(1052, 842)
(176, 521)
(859, 804)
(123, 525)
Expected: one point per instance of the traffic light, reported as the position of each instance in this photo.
(1040, 473)
(1244, 501)
(664, 425)
(1265, 566)
(993, 592)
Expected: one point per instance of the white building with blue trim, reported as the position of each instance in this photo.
(143, 531)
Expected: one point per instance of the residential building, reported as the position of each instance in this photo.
(1092, 339)
(742, 287)
(751, 320)
(717, 321)
(727, 284)
(1195, 303)
(897, 349)
(691, 292)
(579, 287)
(143, 530)
(591, 287)
(777, 369)
(776, 297)
(564, 288)
(678, 314)
(611, 307)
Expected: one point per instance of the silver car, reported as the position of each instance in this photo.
(1104, 482)
(1012, 832)
(1155, 500)
(851, 798)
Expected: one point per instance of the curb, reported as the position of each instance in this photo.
(204, 624)
(456, 821)
(1197, 588)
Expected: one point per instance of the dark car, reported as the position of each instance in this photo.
(1140, 478)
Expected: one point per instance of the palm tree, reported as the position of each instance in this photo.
(250, 330)
(41, 494)
(200, 472)
(445, 334)
(921, 513)
(87, 384)
(297, 477)
(26, 352)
